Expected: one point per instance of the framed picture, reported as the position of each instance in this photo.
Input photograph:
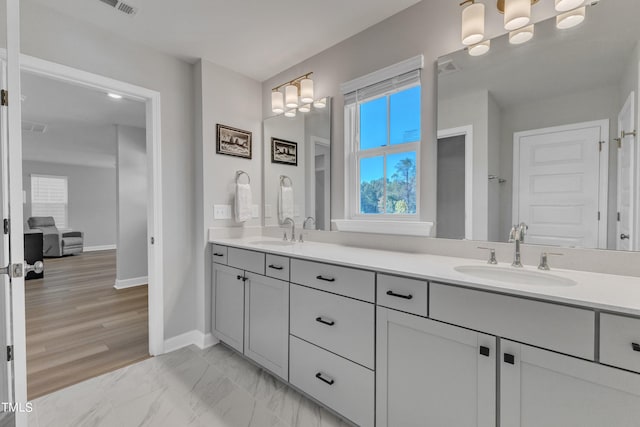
(285, 152)
(233, 142)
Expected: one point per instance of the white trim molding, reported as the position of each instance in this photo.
(99, 248)
(186, 339)
(401, 228)
(406, 66)
(131, 283)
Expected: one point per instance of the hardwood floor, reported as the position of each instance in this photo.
(78, 325)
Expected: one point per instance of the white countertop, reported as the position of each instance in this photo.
(594, 290)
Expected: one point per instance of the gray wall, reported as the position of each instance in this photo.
(451, 187)
(131, 256)
(92, 198)
(49, 35)
(225, 97)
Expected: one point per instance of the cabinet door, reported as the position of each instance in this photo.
(433, 374)
(228, 305)
(542, 388)
(266, 337)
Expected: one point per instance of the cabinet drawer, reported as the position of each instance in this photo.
(341, 325)
(277, 267)
(552, 326)
(620, 341)
(343, 386)
(346, 281)
(403, 294)
(246, 260)
(219, 254)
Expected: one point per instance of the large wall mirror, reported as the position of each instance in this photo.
(543, 133)
(297, 169)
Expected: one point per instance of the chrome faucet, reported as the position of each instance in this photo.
(293, 229)
(544, 260)
(517, 236)
(304, 227)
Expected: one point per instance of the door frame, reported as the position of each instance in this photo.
(603, 175)
(311, 176)
(151, 98)
(467, 132)
(630, 105)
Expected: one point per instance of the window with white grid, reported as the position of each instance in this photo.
(49, 197)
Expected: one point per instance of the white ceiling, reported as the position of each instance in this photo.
(80, 122)
(555, 63)
(257, 38)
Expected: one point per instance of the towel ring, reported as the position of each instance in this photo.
(239, 174)
(283, 181)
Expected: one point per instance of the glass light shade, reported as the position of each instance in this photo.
(305, 108)
(473, 24)
(277, 102)
(517, 14)
(565, 5)
(571, 19)
(291, 96)
(521, 35)
(320, 103)
(306, 91)
(480, 48)
(290, 113)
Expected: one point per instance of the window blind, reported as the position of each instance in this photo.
(384, 87)
(49, 197)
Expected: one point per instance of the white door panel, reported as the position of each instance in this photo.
(558, 187)
(626, 236)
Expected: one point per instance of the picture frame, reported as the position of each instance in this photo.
(234, 142)
(284, 152)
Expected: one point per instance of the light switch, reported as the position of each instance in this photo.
(221, 211)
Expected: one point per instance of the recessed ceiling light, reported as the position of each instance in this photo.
(114, 95)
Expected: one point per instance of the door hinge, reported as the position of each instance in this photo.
(4, 98)
(7, 225)
(152, 240)
(9, 353)
(598, 215)
(618, 216)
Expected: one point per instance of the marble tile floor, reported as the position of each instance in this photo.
(188, 387)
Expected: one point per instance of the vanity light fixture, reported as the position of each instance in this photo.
(566, 5)
(480, 49)
(295, 95)
(472, 22)
(571, 19)
(521, 35)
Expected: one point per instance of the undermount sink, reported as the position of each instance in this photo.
(272, 243)
(514, 276)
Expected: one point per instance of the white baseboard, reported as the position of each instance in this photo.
(194, 337)
(130, 283)
(99, 248)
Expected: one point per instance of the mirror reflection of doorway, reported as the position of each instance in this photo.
(451, 186)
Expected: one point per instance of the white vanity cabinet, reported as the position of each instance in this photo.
(250, 312)
(433, 374)
(543, 388)
(227, 319)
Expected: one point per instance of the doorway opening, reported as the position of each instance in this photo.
(100, 268)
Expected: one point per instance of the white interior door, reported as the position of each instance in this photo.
(13, 375)
(626, 239)
(560, 184)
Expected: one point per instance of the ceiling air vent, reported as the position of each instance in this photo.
(28, 126)
(447, 67)
(121, 6)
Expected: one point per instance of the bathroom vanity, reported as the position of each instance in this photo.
(396, 339)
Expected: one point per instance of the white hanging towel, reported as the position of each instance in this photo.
(285, 203)
(243, 202)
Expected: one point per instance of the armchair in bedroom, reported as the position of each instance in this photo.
(57, 243)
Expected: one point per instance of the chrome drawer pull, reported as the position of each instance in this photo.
(324, 380)
(328, 323)
(276, 267)
(635, 346)
(393, 294)
(326, 279)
